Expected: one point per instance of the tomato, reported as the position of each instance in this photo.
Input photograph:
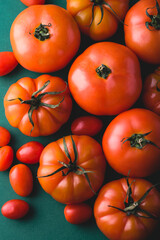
(77, 213)
(5, 136)
(21, 180)
(86, 125)
(15, 209)
(72, 169)
(151, 91)
(30, 152)
(97, 18)
(38, 107)
(6, 157)
(131, 142)
(7, 62)
(44, 38)
(142, 30)
(32, 2)
(105, 79)
(129, 215)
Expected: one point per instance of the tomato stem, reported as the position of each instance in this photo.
(103, 71)
(42, 32)
(155, 19)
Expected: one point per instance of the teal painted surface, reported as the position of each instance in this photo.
(45, 220)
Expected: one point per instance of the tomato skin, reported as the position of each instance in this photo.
(5, 136)
(151, 91)
(144, 42)
(18, 114)
(6, 157)
(21, 180)
(53, 53)
(30, 152)
(32, 2)
(7, 62)
(77, 213)
(15, 209)
(127, 227)
(113, 94)
(72, 188)
(82, 13)
(122, 157)
(86, 125)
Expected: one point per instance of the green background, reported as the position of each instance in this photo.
(45, 219)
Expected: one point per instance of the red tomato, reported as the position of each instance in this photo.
(15, 209)
(7, 62)
(5, 136)
(44, 38)
(131, 142)
(151, 91)
(123, 211)
(105, 79)
(30, 152)
(21, 179)
(72, 169)
(142, 30)
(6, 157)
(32, 2)
(86, 125)
(78, 213)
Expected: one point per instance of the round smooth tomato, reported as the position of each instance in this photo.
(105, 79)
(6, 157)
(98, 18)
(72, 169)
(5, 136)
(32, 2)
(44, 38)
(15, 209)
(7, 62)
(30, 152)
(151, 91)
(21, 180)
(131, 142)
(142, 30)
(38, 107)
(125, 210)
(77, 213)
(86, 125)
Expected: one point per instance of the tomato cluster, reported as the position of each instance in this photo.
(104, 81)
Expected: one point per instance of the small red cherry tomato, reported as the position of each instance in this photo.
(5, 136)
(6, 157)
(15, 209)
(21, 179)
(86, 125)
(7, 62)
(32, 2)
(30, 152)
(78, 213)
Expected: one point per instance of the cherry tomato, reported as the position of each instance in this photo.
(5, 136)
(78, 213)
(30, 152)
(151, 91)
(15, 209)
(6, 157)
(7, 62)
(86, 125)
(21, 179)
(32, 2)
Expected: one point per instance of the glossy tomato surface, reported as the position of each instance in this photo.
(105, 79)
(5, 136)
(32, 2)
(6, 157)
(7, 62)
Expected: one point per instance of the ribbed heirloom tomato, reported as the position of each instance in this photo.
(38, 107)
(105, 79)
(98, 18)
(44, 38)
(72, 168)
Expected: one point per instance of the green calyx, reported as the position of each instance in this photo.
(42, 32)
(72, 165)
(154, 23)
(103, 71)
(139, 141)
(35, 101)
